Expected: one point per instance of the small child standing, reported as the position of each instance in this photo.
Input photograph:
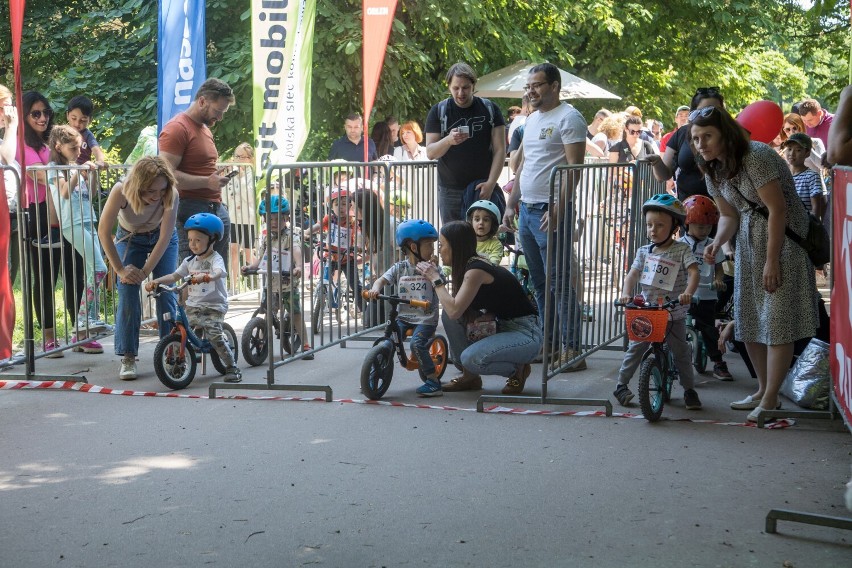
(809, 184)
(662, 269)
(207, 302)
(78, 112)
(417, 240)
(280, 255)
(72, 200)
(485, 218)
(701, 216)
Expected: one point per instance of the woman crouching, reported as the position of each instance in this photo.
(483, 291)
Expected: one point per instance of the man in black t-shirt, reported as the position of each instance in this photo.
(467, 135)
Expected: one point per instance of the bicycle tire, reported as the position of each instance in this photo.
(255, 344)
(696, 349)
(652, 389)
(288, 339)
(439, 351)
(319, 308)
(377, 370)
(173, 371)
(231, 339)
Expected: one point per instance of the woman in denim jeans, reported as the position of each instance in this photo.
(482, 287)
(145, 206)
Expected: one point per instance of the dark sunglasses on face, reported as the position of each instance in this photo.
(36, 114)
(789, 129)
(635, 132)
(707, 91)
(701, 112)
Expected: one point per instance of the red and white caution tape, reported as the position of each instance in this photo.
(85, 387)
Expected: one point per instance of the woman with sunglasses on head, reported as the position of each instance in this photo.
(793, 123)
(775, 302)
(45, 245)
(678, 156)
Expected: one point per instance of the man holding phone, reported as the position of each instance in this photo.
(186, 142)
(467, 135)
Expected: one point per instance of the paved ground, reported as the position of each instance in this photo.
(102, 480)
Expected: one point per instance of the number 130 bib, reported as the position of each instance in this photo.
(659, 272)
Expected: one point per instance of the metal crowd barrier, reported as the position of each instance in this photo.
(589, 255)
(338, 259)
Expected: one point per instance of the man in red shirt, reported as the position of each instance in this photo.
(186, 142)
(817, 120)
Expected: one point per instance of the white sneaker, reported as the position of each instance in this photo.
(128, 370)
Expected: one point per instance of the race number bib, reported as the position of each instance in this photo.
(659, 272)
(202, 289)
(338, 236)
(414, 288)
(274, 263)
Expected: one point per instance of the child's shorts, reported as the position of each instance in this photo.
(286, 296)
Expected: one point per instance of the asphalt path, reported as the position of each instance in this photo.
(89, 479)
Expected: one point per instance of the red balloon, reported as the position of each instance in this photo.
(763, 120)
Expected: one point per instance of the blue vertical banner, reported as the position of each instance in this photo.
(181, 56)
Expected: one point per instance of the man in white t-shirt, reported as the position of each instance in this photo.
(554, 136)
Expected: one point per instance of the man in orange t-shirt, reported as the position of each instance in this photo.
(187, 144)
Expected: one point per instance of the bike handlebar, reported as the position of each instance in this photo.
(422, 304)
(668, 305)
(163, 288)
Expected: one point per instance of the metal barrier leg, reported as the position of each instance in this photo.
(480, 403)
(776, 515)
(273, 387)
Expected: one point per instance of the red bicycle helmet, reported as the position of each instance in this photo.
(701, 210)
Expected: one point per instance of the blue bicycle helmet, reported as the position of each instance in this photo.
(278, 204)
(414, 230)
(207, 223)
(667, 204)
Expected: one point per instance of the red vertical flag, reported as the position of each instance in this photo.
(7, 297)
(378, 17)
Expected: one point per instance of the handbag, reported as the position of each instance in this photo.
(480, 325)
(816, 243)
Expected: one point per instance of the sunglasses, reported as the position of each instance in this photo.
(701, 113)
(36, 114)
(635, 132)
(789, 129)
(707, 91)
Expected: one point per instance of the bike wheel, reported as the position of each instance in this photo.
(377, 370)
(231, 340)
(696, 347)
(652, 389)
(319, 309)
(439, 352)
(288, 339)
(255, 344)
(174, 371)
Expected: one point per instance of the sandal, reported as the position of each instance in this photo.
(464, 382)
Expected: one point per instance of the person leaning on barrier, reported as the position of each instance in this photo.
(554, 135)
(44, 260)
(145, 207)
(483, 290)
(187, 144)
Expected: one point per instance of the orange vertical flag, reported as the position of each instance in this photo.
(378, 17)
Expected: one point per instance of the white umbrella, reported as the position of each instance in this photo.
(508, 83)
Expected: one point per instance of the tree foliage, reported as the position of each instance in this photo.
(653, 53)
